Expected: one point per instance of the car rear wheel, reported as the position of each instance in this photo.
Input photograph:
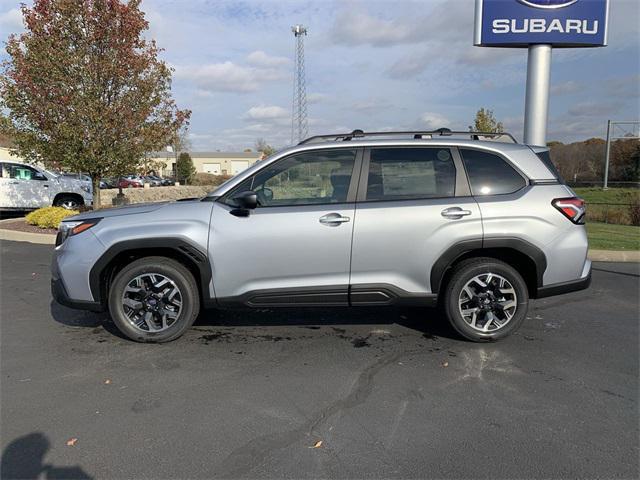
(485, 299)
(154, 299)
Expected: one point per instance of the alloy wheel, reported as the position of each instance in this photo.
(152, 302)
(487, 302)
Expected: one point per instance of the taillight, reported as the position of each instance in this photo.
(571, 207)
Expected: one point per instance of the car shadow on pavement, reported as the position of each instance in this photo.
(427, 321)
(83, 318)
(430, 322)
(24, 458)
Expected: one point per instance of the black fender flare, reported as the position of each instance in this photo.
(457, 250)
(182, 248)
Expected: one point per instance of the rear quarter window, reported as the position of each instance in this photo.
(489, 174)
(545, 158)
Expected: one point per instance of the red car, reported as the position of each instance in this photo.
(130, 182)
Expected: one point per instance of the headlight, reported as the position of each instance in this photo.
(86, 188)
(69, 229)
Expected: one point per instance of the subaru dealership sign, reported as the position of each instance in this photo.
(560, 23)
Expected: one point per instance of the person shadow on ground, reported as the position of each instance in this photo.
(23, 458)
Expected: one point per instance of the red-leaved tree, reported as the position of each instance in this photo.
(84, 90)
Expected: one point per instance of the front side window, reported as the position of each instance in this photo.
(310, 178)
(489, 174)
(22, 172)
(406, 173)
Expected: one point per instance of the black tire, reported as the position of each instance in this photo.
(70, 202)
(463, 273)
(174, 271)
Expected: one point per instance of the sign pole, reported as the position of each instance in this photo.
(536, 105)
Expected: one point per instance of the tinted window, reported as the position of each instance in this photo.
(397, 173)
(546, 159)
(21, 172)
(304, 179)
(489, 174)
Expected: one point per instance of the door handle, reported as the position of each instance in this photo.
(14, 183)
(455, 212)
(333, 219)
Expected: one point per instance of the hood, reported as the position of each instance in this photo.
(72, 183)
(117, 211)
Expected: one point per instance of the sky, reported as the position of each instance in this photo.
(372, 65)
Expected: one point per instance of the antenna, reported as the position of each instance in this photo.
(299, 125)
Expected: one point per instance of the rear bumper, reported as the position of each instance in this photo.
(565, 287)
(60, 295)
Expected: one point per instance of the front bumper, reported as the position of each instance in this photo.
(60, 295)
(566, 287)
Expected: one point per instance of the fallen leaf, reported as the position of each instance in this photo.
(445, 364)
(318, 444)
(71, 442)
(107, 381)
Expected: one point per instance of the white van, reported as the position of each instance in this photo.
(27, 187)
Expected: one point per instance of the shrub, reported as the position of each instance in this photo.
(49, 217)
(209, 179)
(634, 213)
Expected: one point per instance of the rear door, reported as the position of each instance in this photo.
(413, 204)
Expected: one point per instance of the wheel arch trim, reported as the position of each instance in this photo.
(457, 250)
(181, 248)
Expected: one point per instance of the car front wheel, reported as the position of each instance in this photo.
(70, 202)
(485, 299)
(154, 299)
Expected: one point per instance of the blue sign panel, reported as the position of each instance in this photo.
(561, 23)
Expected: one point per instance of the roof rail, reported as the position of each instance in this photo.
(417, 134)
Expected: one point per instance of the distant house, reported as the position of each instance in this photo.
(217, 163)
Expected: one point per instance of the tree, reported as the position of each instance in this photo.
(486, 122)
(263, 147)
(83, 89)
(184, 168)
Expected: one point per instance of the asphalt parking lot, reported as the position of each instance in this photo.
(390, 393)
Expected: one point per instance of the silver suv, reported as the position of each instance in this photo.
(475, 225)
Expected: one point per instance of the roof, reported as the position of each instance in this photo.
(222, 155)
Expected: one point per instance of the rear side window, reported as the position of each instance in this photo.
(406, 173)
(489, 174)
(545, 157)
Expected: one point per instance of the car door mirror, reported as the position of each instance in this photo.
(247, 200)
(38, 176)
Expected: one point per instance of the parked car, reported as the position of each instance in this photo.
(131, 181)
(153, 180)
(28, 187)
(108, 182)
(478, 227)
(84, 177)
(168, 182)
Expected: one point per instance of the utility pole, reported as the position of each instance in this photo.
(299, 125)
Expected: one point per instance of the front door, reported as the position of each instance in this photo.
(295, 248)
(25, 186)
(413, 204)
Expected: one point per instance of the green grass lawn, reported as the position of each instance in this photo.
(612, 195)
(605, 236)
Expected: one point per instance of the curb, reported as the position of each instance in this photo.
(41, 238)
(50, 239)
(15, 236)
(614, 256)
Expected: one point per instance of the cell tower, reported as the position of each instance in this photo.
(299, 126)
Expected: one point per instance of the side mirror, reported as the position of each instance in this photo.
(246, 201)
(39, 176)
